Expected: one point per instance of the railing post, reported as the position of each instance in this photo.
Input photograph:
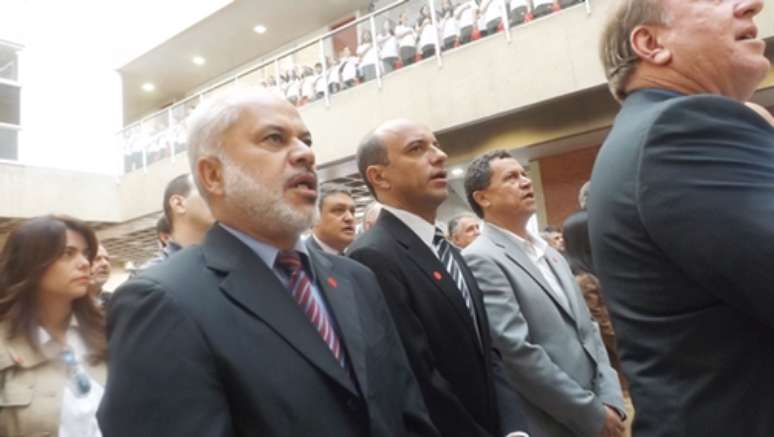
(144, 147)
(506, 21)
(434, 20)
(588, 7)
(378, 52)
(325, 73)
(170, 129)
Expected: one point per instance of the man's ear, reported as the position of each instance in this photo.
(375, 175)
(646, 44)
(209, 170)
(481, 198)
(177, 203)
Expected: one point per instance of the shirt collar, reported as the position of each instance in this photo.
(325, 247)
(424, 230)
(532, 244)
(266, 252)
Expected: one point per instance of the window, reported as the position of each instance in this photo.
(9, 68)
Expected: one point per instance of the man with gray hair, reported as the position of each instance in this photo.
(250, 333)
(335, 227)
(463, 229)
(680, 209)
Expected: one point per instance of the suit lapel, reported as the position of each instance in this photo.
(428, 262)
(517, 256)
(567, 283)
(253, 286)
(340, 296)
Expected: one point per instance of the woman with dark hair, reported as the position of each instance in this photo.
(52, 333)
(577, 246)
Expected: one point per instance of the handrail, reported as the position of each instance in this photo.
(268, 62)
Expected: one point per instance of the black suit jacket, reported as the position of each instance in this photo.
(457, 374)
(211, 344)
(682, 227)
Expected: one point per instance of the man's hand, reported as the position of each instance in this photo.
(614, 426)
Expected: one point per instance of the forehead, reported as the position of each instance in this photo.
(75, 239)
(337, 198)
(467, 221)
(504, 165)
(398, 134)
(271, 111)
(101, 251)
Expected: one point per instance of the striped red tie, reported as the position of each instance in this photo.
(301, 289)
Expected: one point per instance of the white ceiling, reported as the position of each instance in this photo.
(226, 40)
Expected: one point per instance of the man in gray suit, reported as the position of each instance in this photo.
(551, 348)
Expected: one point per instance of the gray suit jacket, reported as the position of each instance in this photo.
(553, 353)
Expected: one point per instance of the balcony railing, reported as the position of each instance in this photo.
(364, 50)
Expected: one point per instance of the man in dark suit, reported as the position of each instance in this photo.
(251, 334)
(681, 208)
(335, 228)
(432, 295)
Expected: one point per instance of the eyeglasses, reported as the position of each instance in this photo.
(79, 380)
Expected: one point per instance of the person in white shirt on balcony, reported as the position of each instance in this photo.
(334, 75)
(319, 81)
(348, 68)
(450, 29)
(369, 59)
(492, 10)
(428, 34)
(307, 85)
(519, 9)
(542, 7)
(466, 19)
(407, 40)
(388, 46)
(293, 92)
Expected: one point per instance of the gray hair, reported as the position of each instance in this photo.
(616, 52)
(455, 222)
(210, 121)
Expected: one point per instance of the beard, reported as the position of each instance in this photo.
(265, 207)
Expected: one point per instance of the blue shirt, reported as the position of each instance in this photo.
(268, 254)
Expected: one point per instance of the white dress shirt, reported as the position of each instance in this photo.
(408, 38)
(424, 230)
(78, 416)
(535, 248)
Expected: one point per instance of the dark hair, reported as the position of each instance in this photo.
(162, 227)
(551, 229)
(371, 151)
(327, 190)
(31, 248)
(478, 176)
(455, 223)
(577, 244)
(180, 186)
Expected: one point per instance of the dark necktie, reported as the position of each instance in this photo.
(301, 289)
(444, 250)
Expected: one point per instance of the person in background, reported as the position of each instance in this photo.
(553, 236)
(407, 40)
(578, 254)
(518, 11)
(388, 46)
(100, 274)
(293, 92)
(318, 83)
(369, 59)
(466, 17)
(428, 34)
(542, 7)
(450, 29)
(163, 231)
(335, 227)
(371, 214)
(307, 85)
(52, 332)
(188, 216)
(348, 68)
(493, 15)
(463, 229)
(334, 75)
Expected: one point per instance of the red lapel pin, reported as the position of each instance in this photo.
(437, 276)
(332, 282)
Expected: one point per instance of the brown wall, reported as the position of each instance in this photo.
(562, 177)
